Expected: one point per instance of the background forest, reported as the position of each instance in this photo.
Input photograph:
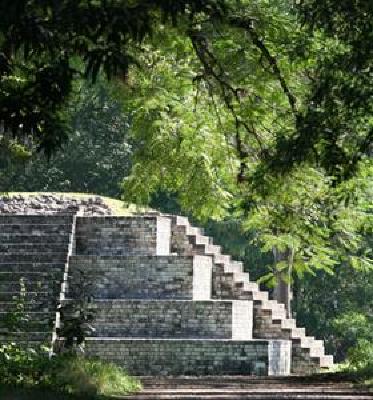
(256, 122)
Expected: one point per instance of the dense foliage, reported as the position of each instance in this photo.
(40, 40)
(29, 366)
(69, 374)
(95, 157)
(244, 48)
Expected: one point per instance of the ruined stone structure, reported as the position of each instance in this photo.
(50, 204)
(166, 300)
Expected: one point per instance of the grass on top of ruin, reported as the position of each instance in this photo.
(118, 207)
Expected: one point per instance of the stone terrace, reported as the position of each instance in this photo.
(166, 300)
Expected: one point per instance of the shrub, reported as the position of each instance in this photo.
(21, 365)
(67, 373)
(83, 376)
(351, 328)
(360, 358)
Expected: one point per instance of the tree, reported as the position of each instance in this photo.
(40, 42)
(210, 143)
(95, 158)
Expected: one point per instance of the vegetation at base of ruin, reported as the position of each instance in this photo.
(29, 368)
(359, 363)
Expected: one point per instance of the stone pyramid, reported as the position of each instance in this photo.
(166, 300)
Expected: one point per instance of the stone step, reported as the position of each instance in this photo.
(192, 231)
(193, 356)
(233, 267)
(181, 221)
(173, 319)
(272, 383)
(31, 305)
(36, 219)
(25, 267)
(33, 229)
(61, 239)
(241, 395)
(222, 259)
(32, 257)
(112, 247)
(29, 296)
(245, 284)
(136, 231)
(298, 333)
(316, 351)
(269, 307)
(308, 341)
(287, 323)
(244, 277)
(271, 315)
(212, 249)
(34, 286)
(33, 276)
(326, 361)
(200, 240)
(260, 295)
(142, 220)
(42, 325)
(21, 337)
(124, 235)
(33, 315)
(123, 277)
(31, 248)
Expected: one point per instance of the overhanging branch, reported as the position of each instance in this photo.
(248, 26)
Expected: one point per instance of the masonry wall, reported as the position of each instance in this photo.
(183, 357)
(173, 319)
(136, 277)
(116, 236)
(50, 204)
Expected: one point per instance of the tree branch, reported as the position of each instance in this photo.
(247, 24)
(213, 69)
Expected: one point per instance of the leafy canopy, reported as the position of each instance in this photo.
(40, 42)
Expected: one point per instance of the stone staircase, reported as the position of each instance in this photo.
(33, 255)
(166, 300)
(154, 311)
(230, 282)
(248, 388)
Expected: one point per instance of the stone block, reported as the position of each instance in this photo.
(141, 277)
(183, 356)
(173, 319)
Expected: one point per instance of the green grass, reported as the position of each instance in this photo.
(25, 372)
(118, 207)
(91, 377)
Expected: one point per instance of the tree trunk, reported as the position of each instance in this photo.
(283, 291)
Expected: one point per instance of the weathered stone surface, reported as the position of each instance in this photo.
(49, 204)
(167, 300)
(139, 277)
(229, 282)
(33, 255)
(173, 319)
(184, 356)
(145, 235)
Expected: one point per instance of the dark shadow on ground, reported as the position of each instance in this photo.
(12, 393)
